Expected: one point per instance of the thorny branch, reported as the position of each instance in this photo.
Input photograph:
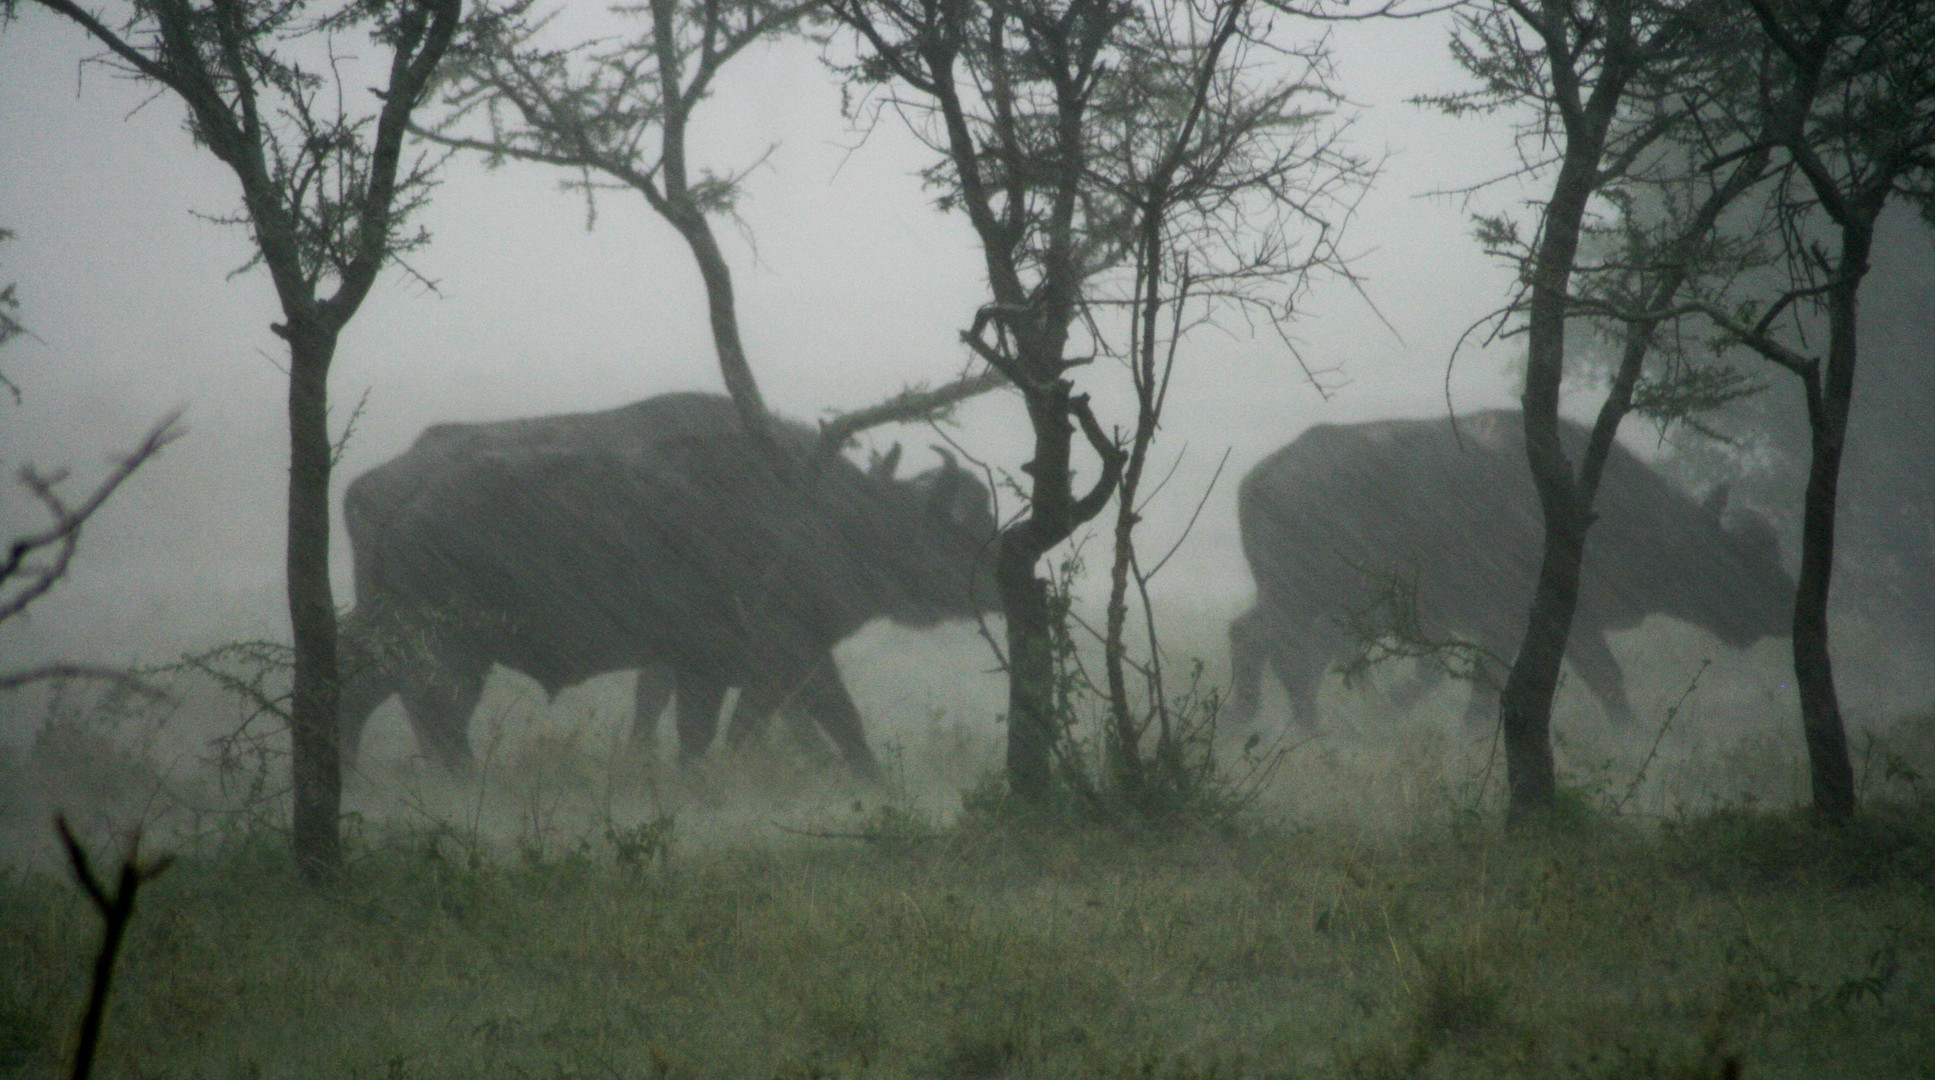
(36, 562)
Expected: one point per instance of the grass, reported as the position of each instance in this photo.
(976, 952)
(585, 913)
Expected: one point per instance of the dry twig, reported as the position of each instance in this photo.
(117, 910)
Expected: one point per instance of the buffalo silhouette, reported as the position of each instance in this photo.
(658, 536)
(1330, 521)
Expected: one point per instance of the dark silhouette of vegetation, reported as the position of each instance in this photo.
(1205, 200)
(1673, 114)
(1883, 554)
(1610, 84)
(1078, 137)
(10, 324)
(325, 197)
(1849, 106)
(35, 562)
(622, 109)
(117, 911)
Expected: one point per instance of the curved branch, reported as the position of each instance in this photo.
(65, 533)
(1113, 457)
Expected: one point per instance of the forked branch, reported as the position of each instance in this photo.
(117, 910)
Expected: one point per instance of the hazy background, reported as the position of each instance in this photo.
(850, 284)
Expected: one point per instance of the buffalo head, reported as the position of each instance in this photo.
(1751, 595)
(944, 561)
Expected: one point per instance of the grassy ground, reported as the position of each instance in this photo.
(618, 928)
(583, 912)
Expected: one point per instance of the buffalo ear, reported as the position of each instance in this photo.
(883, 465)
(1716, 501)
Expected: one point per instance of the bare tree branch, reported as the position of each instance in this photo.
(909, 406)
(29, 580)
(117, 910)
(125, 681)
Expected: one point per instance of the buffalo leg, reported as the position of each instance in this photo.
(1246, 667)
(362, 692)
(1481, 712)
(814, 688)
(753, 715)
(1593, 659)
(826, 698)
(1422, 679)
(697, 712)
(651, 693)
(769, 693)
(1300, 668)
(368, 680)
(440, 705)
(1294, 655)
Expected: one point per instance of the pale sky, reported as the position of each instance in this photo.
(852, 286)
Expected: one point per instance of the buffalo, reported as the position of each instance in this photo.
(1332, 520)
(659, 536)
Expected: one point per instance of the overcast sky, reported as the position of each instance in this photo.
(850, 285)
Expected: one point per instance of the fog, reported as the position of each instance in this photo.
(577, 904)
(851, 285)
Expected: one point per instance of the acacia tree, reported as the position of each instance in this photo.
(621, 109)
(1027, 104)
(1884, 543)
(1001, 90)
(1219, 147)
(617, 111)
(325, 194)
(1607, 83)
(1852, 114)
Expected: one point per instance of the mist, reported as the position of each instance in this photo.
(851, 285)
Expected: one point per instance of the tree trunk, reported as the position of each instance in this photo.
(1031, 672)
(1525, 705)
(315, 761)
(1125, 751)
(734, 369)
(677, 206)
(1126, 748)
(1032, 721)
(1828, 399)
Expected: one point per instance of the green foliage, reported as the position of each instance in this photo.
(1685, 394)
(642, 847)
(1171, 778)
(572, 915)
(1888, 845)
(975, 952)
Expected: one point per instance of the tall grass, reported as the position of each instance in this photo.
(585, 911)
